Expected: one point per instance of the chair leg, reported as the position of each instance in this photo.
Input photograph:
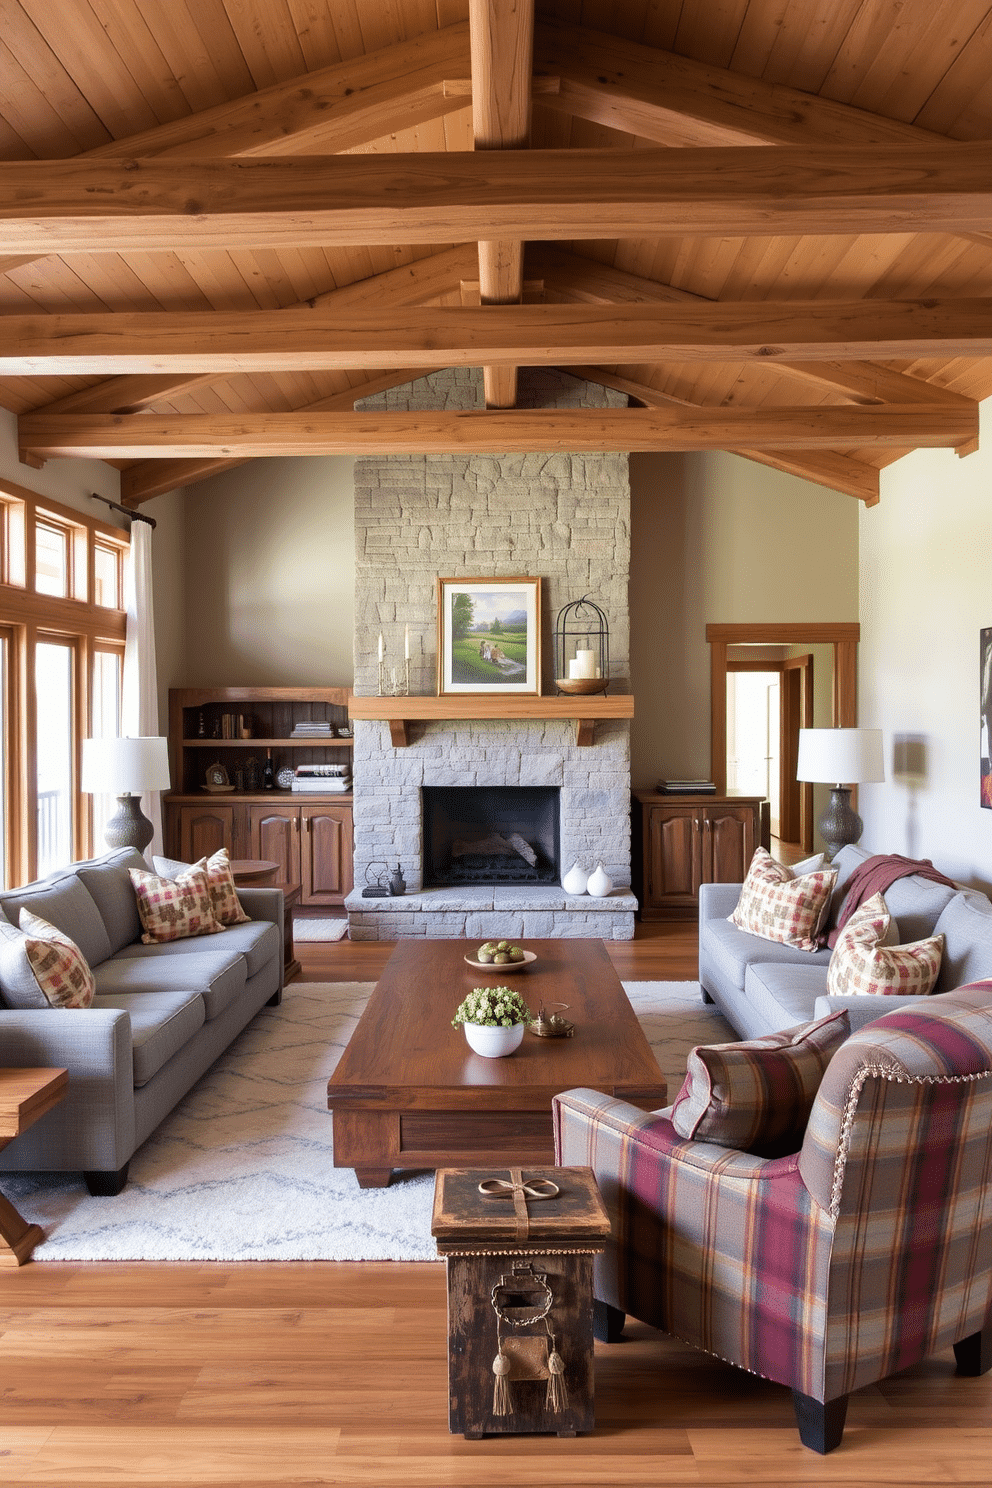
(974, 1353)
(107, 1185)
(607, 1322)
(821, 1423)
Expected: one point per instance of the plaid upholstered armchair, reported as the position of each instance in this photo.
(867, 1250)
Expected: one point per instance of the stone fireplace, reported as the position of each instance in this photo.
(487, 835)
(560, 516)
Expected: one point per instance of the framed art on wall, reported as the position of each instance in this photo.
(985, 696)
(489, 635)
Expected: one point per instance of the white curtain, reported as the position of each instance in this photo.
(139, 703)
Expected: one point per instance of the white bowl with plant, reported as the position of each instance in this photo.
(494, 1020)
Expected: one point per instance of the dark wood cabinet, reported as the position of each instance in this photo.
(308, 834)
(681, 842)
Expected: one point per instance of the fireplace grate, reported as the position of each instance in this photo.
(483, 868)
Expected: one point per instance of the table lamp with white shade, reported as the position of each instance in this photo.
(840, 758)
(126, 768)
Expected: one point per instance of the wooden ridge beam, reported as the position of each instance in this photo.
(345, 200)
(329, 338)
(517, 430)
(409, 284)
(501, 34)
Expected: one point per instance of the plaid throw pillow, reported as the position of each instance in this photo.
(223, 894)
(174, 908)
(58, 965)
(756, 1096)
(865, 962)
(777, 906)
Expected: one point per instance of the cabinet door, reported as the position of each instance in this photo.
(672, 857)
(730, 835)
(204, 829)
(327, 854)
(274, 833)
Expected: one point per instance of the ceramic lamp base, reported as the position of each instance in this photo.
(129, 827)
(840, 824)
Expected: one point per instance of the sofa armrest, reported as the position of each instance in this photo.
(717, 901)
(263, 904)
(864, 1008)
(93, 1127)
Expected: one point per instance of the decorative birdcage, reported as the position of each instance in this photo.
(582, 648)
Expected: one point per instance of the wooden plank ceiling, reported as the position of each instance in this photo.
(768, 221)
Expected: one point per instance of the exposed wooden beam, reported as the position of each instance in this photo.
(829, 468)
(147, 478)
(502, 46)
(409, 284)
(570, 276)
(673, 100)
(328, 337)
(100, 205)
(518, 430)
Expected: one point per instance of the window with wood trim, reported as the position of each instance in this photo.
(62, 626)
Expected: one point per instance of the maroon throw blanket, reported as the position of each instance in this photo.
(875, 875)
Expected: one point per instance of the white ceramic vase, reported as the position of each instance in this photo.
(600, 883)
(493, 1041)
(575, 880)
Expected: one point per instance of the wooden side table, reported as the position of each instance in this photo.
(257, 873)
(519, 1296)
(25, 1094)
(260, 873)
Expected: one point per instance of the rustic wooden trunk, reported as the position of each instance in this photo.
(496, 1245)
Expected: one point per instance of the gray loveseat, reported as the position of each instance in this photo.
(161, 1016)
(761, 986)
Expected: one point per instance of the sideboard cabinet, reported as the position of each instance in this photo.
(680, 842)
(308, 834)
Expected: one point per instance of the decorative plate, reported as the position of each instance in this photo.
(285, 778)
(498, 967)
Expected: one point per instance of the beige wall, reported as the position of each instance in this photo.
(269, 575)
(715, 538)
(926, 592)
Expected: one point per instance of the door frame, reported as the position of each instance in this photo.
(843, 636)
(795, 711)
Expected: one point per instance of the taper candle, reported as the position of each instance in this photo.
(381, 646)
(406, 643)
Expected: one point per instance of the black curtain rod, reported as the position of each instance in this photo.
(137, 515)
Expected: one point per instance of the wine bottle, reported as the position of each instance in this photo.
(268, 774)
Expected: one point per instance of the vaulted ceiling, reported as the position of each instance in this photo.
(222, 221)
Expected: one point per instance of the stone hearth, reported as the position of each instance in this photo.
(563, 517)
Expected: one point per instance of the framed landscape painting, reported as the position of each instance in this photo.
(488, 635)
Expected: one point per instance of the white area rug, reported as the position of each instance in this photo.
(242, 1170)
(308, 929)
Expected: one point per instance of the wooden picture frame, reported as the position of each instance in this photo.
(489, 636)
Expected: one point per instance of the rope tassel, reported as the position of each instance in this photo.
(502, 1394)
(556, 1398)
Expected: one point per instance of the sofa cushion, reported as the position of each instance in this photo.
(106, 880)
(966, 925)
(42, 968)
(781, 995)
(65, 903)
(258, 942)
(218, 975)
(734, 950)
(174, 908)
(865, 962)
(778, 907)
(220, 880)
(162, 1023)
(756, 1096)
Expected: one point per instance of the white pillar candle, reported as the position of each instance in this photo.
(573, 670)
(381, 646)
(586, 663)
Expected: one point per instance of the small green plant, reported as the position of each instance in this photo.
(494, 1007)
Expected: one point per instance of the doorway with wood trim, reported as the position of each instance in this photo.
(769, 699)
(779, 651)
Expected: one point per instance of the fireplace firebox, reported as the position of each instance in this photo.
(506, 834)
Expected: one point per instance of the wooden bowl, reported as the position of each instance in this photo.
(581, 686)
(498, 967)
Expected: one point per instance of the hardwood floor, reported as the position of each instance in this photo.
(270, 1375)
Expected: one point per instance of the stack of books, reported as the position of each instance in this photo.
(313, 728)
(687, 787)
(329, 779)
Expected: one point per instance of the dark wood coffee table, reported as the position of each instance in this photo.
(409, 1093)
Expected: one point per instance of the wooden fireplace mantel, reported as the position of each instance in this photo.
(400, 712)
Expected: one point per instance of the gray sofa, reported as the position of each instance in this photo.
(161, 1016)
(761, 986)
